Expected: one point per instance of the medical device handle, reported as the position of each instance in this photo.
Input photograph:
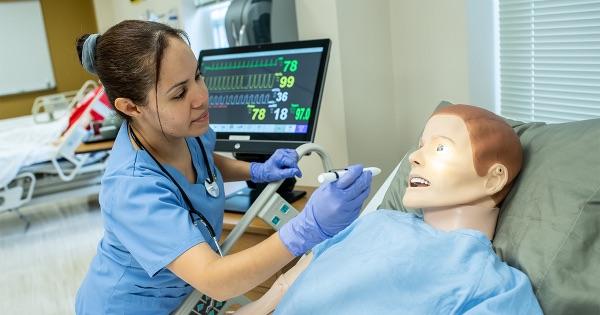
(266, 194)
(307, 148)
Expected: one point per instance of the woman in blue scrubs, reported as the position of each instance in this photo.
(162, 193)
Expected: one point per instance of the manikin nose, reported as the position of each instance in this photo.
(414, 158)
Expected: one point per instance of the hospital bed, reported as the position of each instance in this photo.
(39, 153)
(549, 222)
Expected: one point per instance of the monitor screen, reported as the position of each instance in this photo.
(266, 96)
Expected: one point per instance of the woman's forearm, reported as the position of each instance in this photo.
(231, 169)
(245, 270)
(225, 277)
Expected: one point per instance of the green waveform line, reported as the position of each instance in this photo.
(241, 82)
(251, 99)
(242, 64)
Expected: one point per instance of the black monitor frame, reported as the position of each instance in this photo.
(267, 143)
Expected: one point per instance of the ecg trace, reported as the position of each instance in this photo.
(239, 99)
(241, 82)
(243, 64)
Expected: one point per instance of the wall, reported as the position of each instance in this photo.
(64, 21)
(317, 19)
(104, 14)
(430, 60)
(110, 12)
(366, 58)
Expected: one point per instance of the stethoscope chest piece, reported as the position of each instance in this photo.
(212, 188)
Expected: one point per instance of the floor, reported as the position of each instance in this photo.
(44, 265)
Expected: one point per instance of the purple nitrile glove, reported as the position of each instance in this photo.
(331, 208)
(282, 164)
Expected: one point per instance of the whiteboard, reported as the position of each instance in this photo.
(25, 63)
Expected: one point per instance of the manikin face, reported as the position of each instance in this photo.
(442, 170)
(182, 95)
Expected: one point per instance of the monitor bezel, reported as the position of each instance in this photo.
(261, 145)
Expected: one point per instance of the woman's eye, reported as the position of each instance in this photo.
(440, 148)
(181, 95)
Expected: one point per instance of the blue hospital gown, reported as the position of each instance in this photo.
(146, 226)
(390, 262)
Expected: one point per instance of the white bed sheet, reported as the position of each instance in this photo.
(23, 142)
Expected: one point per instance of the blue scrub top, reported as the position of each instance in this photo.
(147, 226)
(390, 262)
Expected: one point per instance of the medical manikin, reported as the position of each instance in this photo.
(440, 262)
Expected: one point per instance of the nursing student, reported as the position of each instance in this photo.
(162, 195)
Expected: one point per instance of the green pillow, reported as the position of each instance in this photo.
(549, 225)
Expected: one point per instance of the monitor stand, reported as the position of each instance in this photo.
(241, 200)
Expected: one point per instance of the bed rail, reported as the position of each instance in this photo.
(71, 139)
(51, 107)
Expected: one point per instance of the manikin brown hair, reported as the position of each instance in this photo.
(492, 141)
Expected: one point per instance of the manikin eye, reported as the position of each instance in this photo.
(440, 148)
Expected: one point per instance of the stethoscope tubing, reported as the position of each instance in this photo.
(191, 209)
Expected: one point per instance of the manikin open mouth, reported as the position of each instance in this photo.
(418, 182)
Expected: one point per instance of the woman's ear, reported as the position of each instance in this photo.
(496, 179)
(127, 107)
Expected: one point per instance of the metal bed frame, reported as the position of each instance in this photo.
(67, 173)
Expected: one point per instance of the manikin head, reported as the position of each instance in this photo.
(467, 156)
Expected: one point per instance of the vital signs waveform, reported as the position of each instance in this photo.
(239, 99)
(242, 64)
(241, 82)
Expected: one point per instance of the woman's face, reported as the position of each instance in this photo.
(442, 170)
(182, 109)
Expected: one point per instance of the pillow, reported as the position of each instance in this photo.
(549, 224)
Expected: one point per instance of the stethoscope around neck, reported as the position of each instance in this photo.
(210, 183)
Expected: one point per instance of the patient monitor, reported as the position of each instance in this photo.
(262, 98)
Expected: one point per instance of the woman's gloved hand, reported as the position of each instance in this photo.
(282, 164)
(331, 208)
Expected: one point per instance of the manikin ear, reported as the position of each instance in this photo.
(496, 179)
(127, 107)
